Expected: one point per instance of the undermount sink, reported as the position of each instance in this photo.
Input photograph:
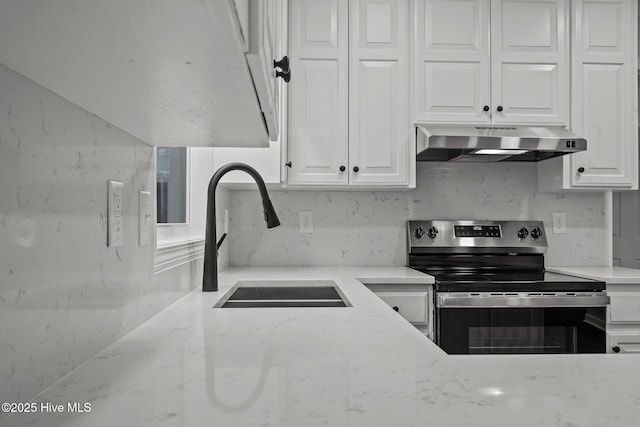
(283, 293)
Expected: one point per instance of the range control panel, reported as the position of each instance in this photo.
(477, 231)
(439, 236)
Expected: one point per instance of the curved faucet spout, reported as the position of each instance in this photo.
(210, 276)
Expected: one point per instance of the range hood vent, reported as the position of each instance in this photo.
(467, 143)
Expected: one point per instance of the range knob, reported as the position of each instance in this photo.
(433, 232)
(419, 232)
(522, 233)
(536, 232)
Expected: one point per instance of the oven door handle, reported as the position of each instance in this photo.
(489, 300)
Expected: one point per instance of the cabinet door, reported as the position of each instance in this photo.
(318, 95)
(452, 62)
(605, 93)
(379, 126)
(530, 61)
(262, 48)
(623, 341)
(624, 307)
(410, 305)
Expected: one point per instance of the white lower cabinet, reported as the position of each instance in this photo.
(623, 319)
(623, 341)
(412, 302)
(624, 307)
(410, 305)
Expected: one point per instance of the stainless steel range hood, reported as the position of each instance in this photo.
(477, 143)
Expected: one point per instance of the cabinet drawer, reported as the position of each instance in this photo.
(625, 307)
(410, 305)
(625, 342)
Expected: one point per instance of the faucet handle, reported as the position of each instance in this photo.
(220, 241)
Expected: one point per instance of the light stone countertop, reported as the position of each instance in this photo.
(611, 275)
(192, 365)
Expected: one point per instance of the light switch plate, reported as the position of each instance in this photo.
(145, 218)
(115, 232)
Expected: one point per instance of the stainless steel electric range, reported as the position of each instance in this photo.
(493, 296)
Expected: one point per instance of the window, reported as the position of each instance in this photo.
(171, 185)
(182, 177)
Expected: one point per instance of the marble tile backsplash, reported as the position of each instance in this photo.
(64, 295)
(368, 228)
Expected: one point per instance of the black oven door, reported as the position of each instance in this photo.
(521, 327)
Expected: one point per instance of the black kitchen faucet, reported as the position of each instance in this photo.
(210, 276)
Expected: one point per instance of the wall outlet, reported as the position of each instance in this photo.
(145, 218)
(115, 232)
(226, 221)
(305, 222)
(559, 220)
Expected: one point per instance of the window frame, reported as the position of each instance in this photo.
(187, 190)
(178, 231)
(181, 243)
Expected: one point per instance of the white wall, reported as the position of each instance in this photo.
(64, 295)
(368, 228)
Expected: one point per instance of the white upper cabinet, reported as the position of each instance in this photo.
(492, 61)
(318, 94)
(604, 100)
(379, 127)
(605, 85)
(530, 61)
(348, 102)
(263, 50)
(172, 73)
(452, 61)
(266, 160)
